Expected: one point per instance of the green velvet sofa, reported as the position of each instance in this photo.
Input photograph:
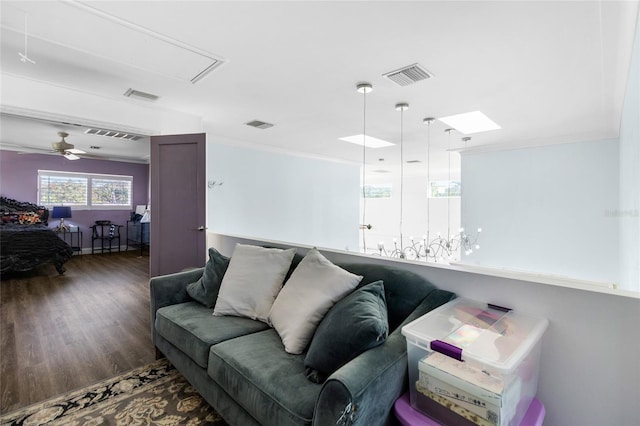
(241, 368)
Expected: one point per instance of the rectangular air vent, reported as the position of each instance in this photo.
(259, 124)
(132, 93)
(408, 75)
(113, 134)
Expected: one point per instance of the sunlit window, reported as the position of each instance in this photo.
(85, 190)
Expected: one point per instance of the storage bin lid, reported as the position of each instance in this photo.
(469, 330)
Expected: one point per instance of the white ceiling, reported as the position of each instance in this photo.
(547, 72)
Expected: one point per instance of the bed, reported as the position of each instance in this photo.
(26, 241)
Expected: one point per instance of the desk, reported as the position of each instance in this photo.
(69, 236)
(138, 235)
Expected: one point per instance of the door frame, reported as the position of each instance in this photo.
(158, 198)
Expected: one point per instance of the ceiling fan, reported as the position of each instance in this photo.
(65, 148)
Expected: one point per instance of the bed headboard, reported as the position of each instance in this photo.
(13, 211)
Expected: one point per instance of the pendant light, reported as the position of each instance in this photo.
(448, 131)
(460, 240)
(469, 242)
(426, 239)
(364, 88)
(402, 107)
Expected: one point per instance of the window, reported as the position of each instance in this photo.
(445, 188)
(85, 190)
(377, 191)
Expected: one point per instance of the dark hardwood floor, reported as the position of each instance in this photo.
(62, 332)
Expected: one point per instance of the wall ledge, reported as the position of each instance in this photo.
(214, 239)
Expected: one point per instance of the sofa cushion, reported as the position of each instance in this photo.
(265, 380)
(314, 287)
(192, 329)
(355, 324)
(206, 289)
(404, 290)
(252, 281)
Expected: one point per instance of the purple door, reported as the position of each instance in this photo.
(178, 237)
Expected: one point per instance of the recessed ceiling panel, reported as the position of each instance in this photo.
(129, 44)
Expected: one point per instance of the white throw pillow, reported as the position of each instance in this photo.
(252, 281)
(314, 287)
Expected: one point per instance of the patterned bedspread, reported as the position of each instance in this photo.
(25, 247)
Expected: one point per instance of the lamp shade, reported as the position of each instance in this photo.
(61, 212)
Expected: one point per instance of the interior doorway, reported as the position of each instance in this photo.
(178, 209)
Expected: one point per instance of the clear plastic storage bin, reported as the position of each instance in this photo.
(474, 363)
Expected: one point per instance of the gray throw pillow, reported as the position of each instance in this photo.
(206, 289)
(252, 281)
(313, 288)
(355, 324)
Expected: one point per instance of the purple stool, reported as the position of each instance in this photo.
(408, 416)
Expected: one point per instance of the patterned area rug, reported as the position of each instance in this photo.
(156, 394)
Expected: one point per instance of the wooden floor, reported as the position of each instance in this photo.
(62, 332)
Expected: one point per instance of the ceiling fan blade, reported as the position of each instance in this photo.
(74, 151)
(70, 156)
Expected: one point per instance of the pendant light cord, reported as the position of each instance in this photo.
(428, 179)
(364, 162)
(449, 192)
(401, 172)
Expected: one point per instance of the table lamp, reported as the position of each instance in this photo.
(62, 213)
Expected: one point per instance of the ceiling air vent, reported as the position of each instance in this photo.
(259, 124)
(408, 75)
(132, 93)
(113, 134)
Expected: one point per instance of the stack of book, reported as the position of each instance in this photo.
(474, 394)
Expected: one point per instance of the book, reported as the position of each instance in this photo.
(472, 403)
(476, 384)
(455, 408)
(468, 379)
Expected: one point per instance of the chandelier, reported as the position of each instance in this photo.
(438, 248)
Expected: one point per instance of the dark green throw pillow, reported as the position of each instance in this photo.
(353, 325)
(206, 289)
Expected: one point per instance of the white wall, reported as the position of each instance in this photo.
(545, 209)
(628, 216)
(589, 369)
(278, 196)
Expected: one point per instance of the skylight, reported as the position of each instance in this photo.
(370, 142)
(470, 122)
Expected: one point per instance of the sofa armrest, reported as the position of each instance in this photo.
(363, 391)
(170, 289)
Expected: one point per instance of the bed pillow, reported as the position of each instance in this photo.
(206, 289)
(355, 324)
(252, 281)
(314, 287)
(22, 218)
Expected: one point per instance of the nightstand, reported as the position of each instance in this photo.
(73, 237)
